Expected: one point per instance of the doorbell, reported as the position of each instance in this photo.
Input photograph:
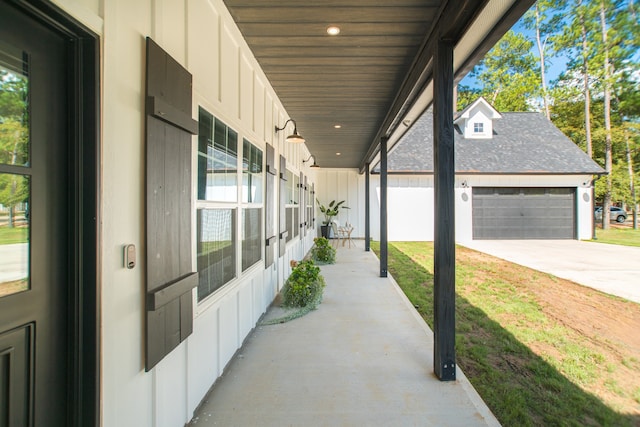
(130, 256)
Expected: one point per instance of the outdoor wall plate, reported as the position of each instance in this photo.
(130, 256)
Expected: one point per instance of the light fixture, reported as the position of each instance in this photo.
(333, 30)
(337, 126)
(314, 165)
(295, 137)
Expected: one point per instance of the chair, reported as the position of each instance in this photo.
(337, 233)
(345, 233)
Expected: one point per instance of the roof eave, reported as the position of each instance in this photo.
(410, 100)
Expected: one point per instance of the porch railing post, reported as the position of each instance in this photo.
(367, 213)
(383, 208)
(444, 233)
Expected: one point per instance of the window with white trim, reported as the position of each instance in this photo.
(478, 127)
(252, 204)
(292, 205)
(217, 204)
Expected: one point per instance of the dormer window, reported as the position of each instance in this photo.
(476, 121)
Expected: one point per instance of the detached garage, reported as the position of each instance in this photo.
(524, 213)
(517, 177)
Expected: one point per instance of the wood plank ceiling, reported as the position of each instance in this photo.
(354, 79)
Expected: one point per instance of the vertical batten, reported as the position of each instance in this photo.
(229, 72)
(260, 113)
(245, 89)
(204, 25)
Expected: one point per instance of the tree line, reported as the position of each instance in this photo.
(14, 141)
(595, 101)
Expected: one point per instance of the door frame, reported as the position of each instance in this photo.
(83, 320)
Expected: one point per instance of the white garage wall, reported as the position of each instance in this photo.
(409, 207)
(411, 200)
(228, 82)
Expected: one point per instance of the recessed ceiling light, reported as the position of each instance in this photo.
(337, 126)
(333, 30)
(337, 154)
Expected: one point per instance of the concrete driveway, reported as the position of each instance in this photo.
(14, 262)
(613, 269)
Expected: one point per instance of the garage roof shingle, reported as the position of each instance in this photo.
(522, 143)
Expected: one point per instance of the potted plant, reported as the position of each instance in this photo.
(322, 252)
(304, 286)
(333, 209)
(302, 292)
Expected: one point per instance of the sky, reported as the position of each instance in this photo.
(556, 64)
(555, 67)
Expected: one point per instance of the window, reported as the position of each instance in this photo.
(217, 160)
(15, 187)
(230, 204)
(309, 207)
(296, 205)
(292, 205)
(478, 128)
(251, 173)
(251, 236)
(252, 198)
(217, 205)
(216, 249)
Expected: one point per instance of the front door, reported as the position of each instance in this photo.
(35, 200)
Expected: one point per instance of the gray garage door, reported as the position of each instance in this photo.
(524, 213)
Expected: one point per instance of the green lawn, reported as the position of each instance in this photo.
(13, 235)
(516, 342)
(618, 236)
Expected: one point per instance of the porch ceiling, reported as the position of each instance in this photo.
(372, 76)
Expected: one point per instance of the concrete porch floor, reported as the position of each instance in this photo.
(363, 358)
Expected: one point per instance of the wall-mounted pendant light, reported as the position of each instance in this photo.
(295, 138)
(314, 165)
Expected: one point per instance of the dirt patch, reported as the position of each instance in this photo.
(608, 326)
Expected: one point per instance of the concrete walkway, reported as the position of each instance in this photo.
(364, 358)
(613, 269)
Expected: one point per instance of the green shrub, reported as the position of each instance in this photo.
(322, 251)
(304, 286)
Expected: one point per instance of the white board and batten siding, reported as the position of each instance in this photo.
(411, 208)
(228, 83)
(342, 184)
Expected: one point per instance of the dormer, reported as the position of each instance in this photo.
(476, 121)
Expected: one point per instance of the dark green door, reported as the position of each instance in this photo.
(34, 223)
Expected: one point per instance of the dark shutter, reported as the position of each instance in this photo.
(307, 219)
(270, 204)
(303, 206)
(283, 207)
(313, 205)
(170, 278)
